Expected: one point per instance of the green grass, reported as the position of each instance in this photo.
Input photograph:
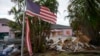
(53, 53)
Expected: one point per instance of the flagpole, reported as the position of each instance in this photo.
(23, 30)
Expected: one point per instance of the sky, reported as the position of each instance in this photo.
(63, 4)
(6, 5)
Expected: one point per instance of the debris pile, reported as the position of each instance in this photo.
(71, 45)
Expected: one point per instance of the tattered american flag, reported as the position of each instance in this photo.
(35, 10)
(28, 41)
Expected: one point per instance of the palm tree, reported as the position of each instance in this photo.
(43, 29)
(84, 16)
(39, 29)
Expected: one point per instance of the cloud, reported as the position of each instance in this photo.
(63, 4)
(10, 17)
(4, 10)
(5, 6)
(6, 3)
(63, 22)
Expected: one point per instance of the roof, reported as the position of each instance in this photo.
(56, 26)
(4, 20)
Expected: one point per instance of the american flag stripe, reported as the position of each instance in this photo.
(52, 21)
(29, 14)
(28, 42)
(45, 8)
(48, 14)
(47, 11)
(45, 16)
(48, 19)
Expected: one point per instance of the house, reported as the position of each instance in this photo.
(60, 30)
(5, 30)
(59, 33)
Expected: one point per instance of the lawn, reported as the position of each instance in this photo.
(54, 53)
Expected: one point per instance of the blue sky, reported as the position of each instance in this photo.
(6, 5)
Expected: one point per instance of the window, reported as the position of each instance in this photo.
(68, 32)
(3, 34)
(60, 32)
(4, 24)
(53, 33)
